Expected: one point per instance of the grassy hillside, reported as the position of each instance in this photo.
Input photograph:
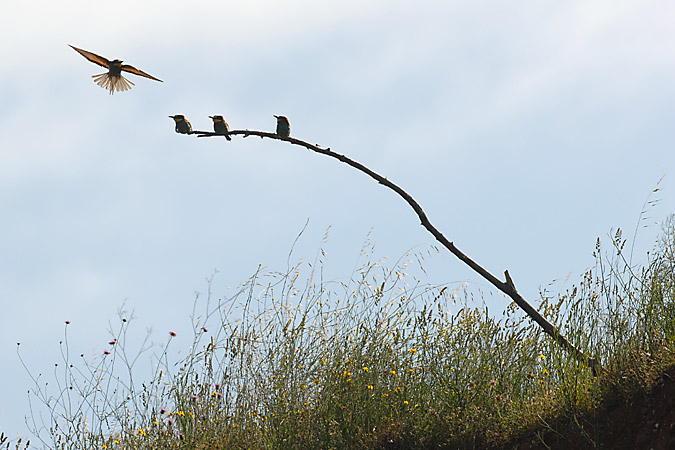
(382, 361)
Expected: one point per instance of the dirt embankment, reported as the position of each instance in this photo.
(645, 422)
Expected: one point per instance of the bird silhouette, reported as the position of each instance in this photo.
(183, 126)
(283, 126)
(113, 79)
(221, 127)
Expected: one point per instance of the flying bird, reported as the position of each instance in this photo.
(113, 79)
(182, 124)
(283, 126)
(221, 127)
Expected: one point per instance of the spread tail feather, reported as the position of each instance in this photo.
(112, 83)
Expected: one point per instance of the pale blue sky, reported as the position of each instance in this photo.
(524, 129)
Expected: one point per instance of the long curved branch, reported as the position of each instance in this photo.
(507, 287)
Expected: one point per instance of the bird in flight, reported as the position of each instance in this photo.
(221, 127)
(113, 79)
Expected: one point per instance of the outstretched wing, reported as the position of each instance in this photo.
(135, 71)
(100, 60)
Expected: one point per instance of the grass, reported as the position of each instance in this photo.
(381, 361)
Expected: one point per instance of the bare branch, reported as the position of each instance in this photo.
(507, 287)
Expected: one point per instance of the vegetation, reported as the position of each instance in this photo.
(380, 361)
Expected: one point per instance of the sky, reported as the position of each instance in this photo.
(525, 130)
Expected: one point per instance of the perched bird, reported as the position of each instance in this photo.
(283, 126)
(113, 79)
(182, 124)
(221, 127)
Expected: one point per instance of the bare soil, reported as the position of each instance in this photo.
(646, 421)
